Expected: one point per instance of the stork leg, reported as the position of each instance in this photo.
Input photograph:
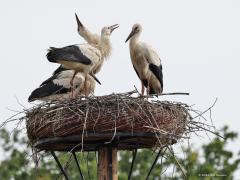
(143, 88)
(71, 82)
(85, 87)
(148, 88)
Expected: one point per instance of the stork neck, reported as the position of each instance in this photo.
(88, 36)
(134, 40)
(105, 47)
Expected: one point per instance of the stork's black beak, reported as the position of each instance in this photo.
(95, 78)
(78, 22)
(130, 35)
(115, 26)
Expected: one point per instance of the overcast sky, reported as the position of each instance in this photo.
(198, 42)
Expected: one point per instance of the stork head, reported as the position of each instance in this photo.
(107, 31)
(136, 30)
(105, 45)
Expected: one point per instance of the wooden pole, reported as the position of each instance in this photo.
(107, 163)
(102, 164)
(114, 164)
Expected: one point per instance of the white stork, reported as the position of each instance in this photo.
(83, 58)
(57, 87)
(146, 63)
(89, 81)
(94, 40)
(91, 38)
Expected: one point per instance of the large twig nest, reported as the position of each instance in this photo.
(120, 120)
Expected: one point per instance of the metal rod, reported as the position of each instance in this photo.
(79, 168)
(59, 165)
(133, 160)
(70, 142)
(154, 163)
(89, 177)
(75, 138)
(110, 165)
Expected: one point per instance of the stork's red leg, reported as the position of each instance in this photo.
(71, 82)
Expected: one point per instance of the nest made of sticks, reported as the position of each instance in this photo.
(125, 120)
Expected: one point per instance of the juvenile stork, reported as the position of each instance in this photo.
(94, 40)
(146, 63)
(57, 87)
(91, 38)
(83, 58)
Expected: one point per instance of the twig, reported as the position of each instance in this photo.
(84, 126)
(208, 130)
(176, 93)
(207, 109)
(179, 165)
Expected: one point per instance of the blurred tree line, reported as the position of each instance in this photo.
(211, 161)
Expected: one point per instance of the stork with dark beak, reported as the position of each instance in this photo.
(57, 87)
(83, 31)
(94, 40)
(146, 63)
(83, 58)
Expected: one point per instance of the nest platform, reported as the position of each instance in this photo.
(125, 121)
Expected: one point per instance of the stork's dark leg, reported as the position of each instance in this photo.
(148, 88)
(85, 87)
(71, 82)
(143, 88)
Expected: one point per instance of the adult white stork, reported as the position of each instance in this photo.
(146, 63)
(83, 58)
(91, 38)
(57, 87)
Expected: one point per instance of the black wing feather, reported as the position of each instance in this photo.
(157, 71)
(55, 74)
(49, 80)
(46, 90)
(59, 69)
(68, 53)
(151, 90)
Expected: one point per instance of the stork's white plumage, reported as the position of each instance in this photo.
(78, 85)
(146, 62)
(83, 58)
(83, 31)
(90, 86)
(104, 46)
(95, 40)
(57, 87)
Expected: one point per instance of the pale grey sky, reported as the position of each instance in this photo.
(198, 42)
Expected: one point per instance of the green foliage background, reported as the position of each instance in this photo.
(212, 161)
